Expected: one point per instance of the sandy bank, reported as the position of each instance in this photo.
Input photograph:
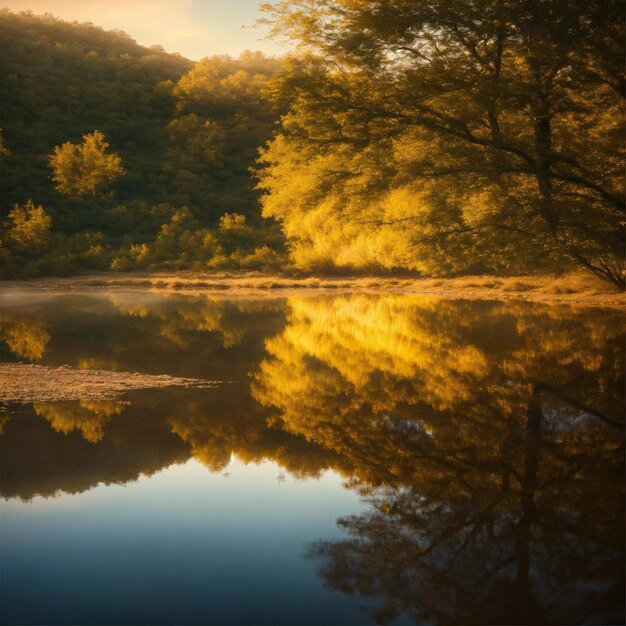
(36, 383)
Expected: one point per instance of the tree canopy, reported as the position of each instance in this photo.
(427, 136)
(448, 136)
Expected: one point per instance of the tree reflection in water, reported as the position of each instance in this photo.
(487, 541)
(486, 437)
(488, 440)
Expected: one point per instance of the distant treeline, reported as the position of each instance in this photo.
(438, 137)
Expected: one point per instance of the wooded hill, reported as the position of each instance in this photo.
(186, 134)
(435, 137)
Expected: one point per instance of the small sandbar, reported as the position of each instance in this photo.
(20, 382)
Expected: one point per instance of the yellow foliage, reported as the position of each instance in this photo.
(84, 169)
(27, 340)
(30, 226)
(359, 374)
(87, 416)
(232, 221)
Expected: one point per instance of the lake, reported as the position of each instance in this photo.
(363, 458)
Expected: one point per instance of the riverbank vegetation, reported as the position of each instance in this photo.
(431, 139)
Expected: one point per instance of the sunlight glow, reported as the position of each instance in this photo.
(193, 28)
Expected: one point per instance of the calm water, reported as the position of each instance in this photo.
(370, 459)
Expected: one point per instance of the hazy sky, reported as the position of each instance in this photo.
(195, 28)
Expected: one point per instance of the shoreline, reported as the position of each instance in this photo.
(577, 289)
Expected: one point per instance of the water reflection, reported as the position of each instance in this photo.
(529, 529)
(27, 340)
(487, 438)
(87, 416)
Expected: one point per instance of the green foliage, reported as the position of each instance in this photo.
(182, 243)
(4, 151)
(441, 138)
(222, 117)
(85, 168)
(186, 135)
(61, 80)
(29, 247)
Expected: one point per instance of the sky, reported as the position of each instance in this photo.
(194, 28)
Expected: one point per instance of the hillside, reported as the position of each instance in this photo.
(61, 80)
(185, 136)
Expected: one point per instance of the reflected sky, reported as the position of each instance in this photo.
(386, 459)
(183, 546)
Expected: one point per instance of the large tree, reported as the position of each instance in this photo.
(449, 134)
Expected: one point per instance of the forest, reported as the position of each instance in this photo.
(431, 138)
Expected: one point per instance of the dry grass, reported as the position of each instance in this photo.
(572, 288)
